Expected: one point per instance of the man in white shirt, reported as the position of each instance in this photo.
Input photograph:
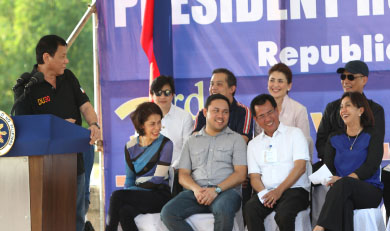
(277, 160)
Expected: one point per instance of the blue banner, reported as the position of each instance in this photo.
(313, 37)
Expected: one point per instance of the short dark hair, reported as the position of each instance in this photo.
(160, 81)
(261, 100)
(283, 68)
(142, 113)
(359, 100)
(48, 44)
(231, 78)
(211, 98)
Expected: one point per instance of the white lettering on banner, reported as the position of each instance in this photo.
(120, 11)
(367, 48)
(363, 7)
(388, 51)
(331, 9)
(379, 48)
(226, 11)
(246, 10)
(378, 7)
(309, 56)
(308, 7)
(289, 56)
(205, 14)
(273, 11)
(243, 13)
(349, 51)
(267, 51)
(328, 54)
(177, 16)
(253, 10)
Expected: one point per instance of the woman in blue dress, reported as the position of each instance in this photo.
(148, 158)
(353, 156)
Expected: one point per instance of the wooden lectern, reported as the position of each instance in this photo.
(38, 175)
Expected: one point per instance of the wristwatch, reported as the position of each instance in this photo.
(218, 190)
(96, 124)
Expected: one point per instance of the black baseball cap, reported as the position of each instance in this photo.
(355, 67)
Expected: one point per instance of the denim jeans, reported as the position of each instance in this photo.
(80, 202)
(224, 208)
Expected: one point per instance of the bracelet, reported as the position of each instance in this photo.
(96, 124)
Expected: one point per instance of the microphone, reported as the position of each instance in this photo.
(36, 78)
(24, 78)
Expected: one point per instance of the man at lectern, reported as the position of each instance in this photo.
(53, 89)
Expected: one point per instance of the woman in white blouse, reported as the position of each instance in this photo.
(292, 113)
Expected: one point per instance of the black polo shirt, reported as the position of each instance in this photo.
(240, 120)
(63, 101)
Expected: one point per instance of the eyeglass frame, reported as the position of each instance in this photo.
(166, 93)
(265, 115)
(350, 77)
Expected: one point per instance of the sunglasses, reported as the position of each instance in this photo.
(350, 77)
(166, 93)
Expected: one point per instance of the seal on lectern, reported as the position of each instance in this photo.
(7, 133)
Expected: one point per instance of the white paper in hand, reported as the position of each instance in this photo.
(261, 194)
(321, 176)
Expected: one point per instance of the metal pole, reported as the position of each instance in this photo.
(98, 109)
(76, 31)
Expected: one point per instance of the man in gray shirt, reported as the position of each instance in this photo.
(212, 167)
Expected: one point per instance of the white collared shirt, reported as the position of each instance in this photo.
(287, 144)
(177, 126)
(293, 114)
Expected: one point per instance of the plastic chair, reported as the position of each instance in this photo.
(363, 219)
(199, 222)
(368, 219)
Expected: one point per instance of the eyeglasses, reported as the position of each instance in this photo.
(166, 93)
(263, 116)
(350, 77)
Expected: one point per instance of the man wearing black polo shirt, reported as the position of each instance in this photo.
(60, 94)
(224, 82)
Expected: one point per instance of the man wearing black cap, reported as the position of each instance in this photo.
(354, 77)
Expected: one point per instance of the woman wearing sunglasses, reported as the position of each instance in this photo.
(353, 155)
(291, 112)
(148, 157)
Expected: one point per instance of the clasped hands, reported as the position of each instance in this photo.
(270, 198)
(205, 196)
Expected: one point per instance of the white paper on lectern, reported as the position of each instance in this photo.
(261, 194)
(321, 176)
